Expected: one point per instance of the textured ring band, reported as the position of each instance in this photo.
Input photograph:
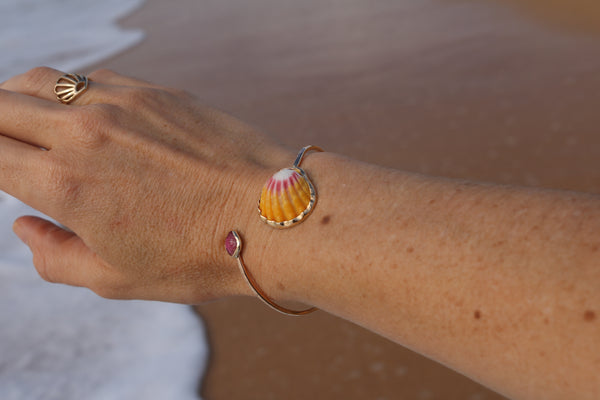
(69, 86)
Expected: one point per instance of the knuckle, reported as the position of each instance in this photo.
(180, 93)
(91, 116)
(102, 291)
(145, 98)
(109, 283)
(37, 77)
(136, 96)
(62, 184)
(114, 292)
(43, 266)
(82, 119)
(90, 124)
(102, 74)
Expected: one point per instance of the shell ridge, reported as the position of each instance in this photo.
(289, 210)
(304, 185)
(303, 191)
(276, 207)
(267, 206)
(297, 201)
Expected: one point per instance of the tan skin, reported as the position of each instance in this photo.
(500, 283)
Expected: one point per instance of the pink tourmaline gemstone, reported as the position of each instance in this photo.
(231, 243)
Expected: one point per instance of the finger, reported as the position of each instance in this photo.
(105, 87)
(124, 87)
(40, 82)
(61, 256)
(28, 119)
(108, 77)
(17, 170)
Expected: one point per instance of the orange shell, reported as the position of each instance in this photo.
(286, 198)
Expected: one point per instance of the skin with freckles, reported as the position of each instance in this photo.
(500, 283)
(109, 173)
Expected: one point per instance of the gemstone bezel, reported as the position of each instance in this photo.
(233, 244)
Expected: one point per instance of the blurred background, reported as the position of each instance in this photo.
(500, 90)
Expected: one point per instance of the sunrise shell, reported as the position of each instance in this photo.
(287, 197)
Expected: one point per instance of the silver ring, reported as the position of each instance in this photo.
(69, 86)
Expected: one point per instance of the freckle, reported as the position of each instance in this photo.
(325, 220)
(570, 287)
(477, 314)
(410, 250)
(499, 243)
(280, 286)
(546, 321)
(542, 353)
(595, 248)
(431, 201)
(394, 266)
(589, 316)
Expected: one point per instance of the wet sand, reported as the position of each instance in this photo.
(492, 91)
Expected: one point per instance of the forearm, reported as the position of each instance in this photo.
(500, 283)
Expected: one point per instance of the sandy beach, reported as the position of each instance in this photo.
(486, 91)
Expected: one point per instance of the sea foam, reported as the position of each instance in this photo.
(61, 342)
(63, 34)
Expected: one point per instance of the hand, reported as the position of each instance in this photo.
(147, 180)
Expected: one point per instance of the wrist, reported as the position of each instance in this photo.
(240, 214)
(273, 257)
(276, 257)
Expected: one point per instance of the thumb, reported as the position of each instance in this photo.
(59, 256)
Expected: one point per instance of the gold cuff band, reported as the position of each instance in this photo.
(233, 240)
(287, 199)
